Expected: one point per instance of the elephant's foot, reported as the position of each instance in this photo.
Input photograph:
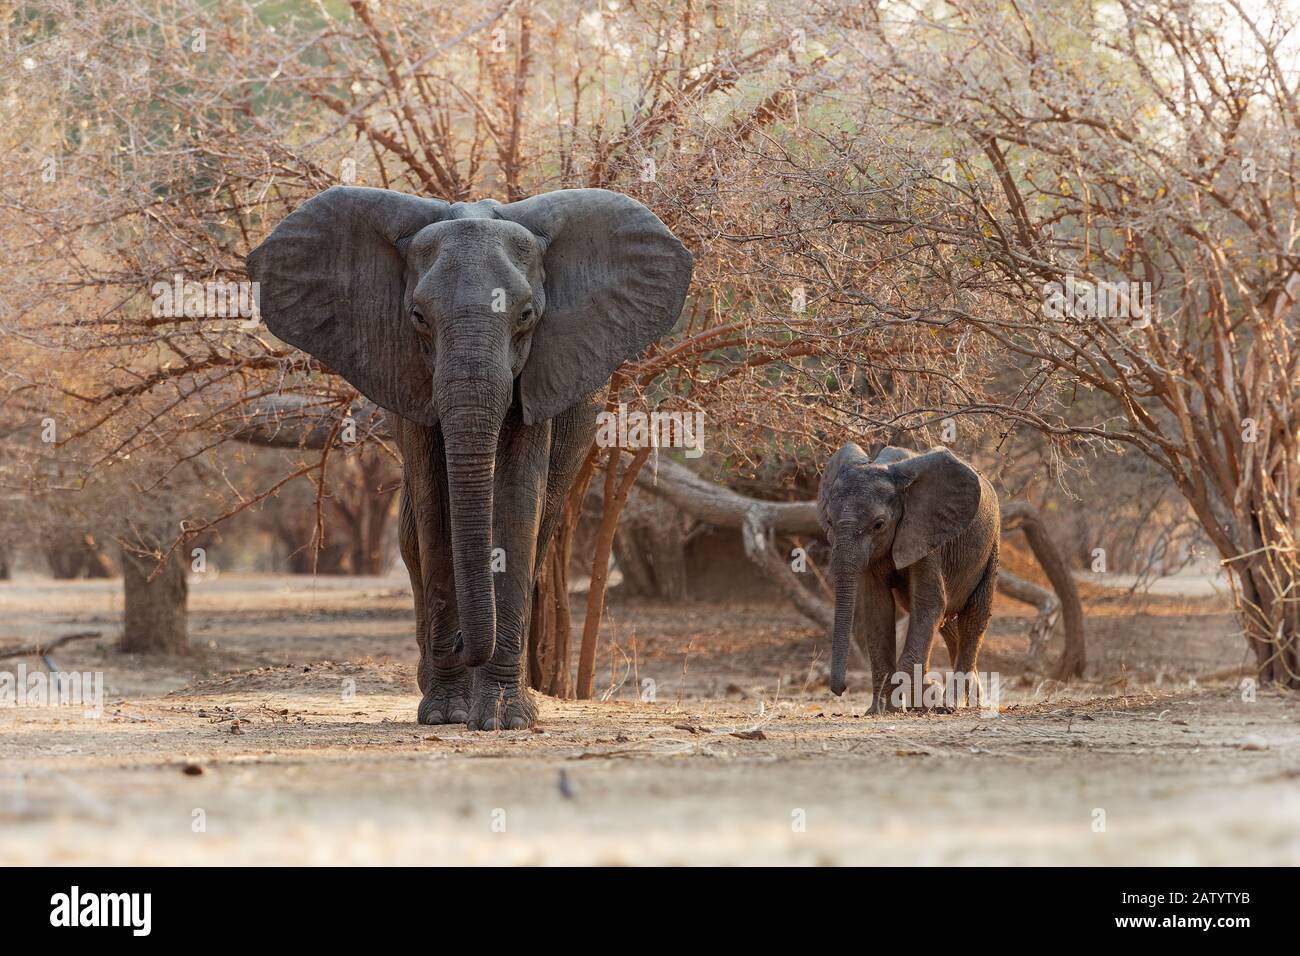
(881, 704)
(931, 695)
(447, 700)
(934, 696)
(501, 706)
(965, 690)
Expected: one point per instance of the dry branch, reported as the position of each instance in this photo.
(295, 421)
(38, 649)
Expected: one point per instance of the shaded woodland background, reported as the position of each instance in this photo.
(876, 196)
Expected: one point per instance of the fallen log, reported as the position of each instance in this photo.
(718, 505)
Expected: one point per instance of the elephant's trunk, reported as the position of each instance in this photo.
(471, 413)
(847, 579)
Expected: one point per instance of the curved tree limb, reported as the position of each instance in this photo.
(1049, 612)
(1073, 659)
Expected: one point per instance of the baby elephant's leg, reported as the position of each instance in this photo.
(951, 640)
(971, 624)
(927, 600)
(876, 608)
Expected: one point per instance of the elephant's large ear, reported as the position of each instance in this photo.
(332, 279)
(840, 462)
(941, 494)
(616, 279)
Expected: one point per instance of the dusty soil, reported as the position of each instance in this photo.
(743, 756)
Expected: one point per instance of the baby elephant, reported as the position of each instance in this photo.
(924, 528)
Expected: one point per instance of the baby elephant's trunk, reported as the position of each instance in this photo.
(847, 578)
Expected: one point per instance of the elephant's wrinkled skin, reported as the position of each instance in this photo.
(924, 529)
(488, 332)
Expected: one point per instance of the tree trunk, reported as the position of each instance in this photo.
(364, 509)
(1260, 549)
(616, 493)
(1074, 656)
(548, 645)
(631, 544)
(650, 548)
(551, 623)
(78, 558)
(155, 620)
(1269, 618)
(366, 539)
(541, 622)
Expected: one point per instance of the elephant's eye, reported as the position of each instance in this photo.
(879, 525)
(417, 317)
(528, 316)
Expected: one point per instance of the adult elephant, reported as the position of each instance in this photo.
(488, 331)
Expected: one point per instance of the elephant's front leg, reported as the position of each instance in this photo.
(501, 699)
(423, 532)
(445, 687)
(927, 599)
(877, 610)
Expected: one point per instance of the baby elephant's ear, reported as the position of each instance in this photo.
(332, 281)
(616, 279)
(941, 494)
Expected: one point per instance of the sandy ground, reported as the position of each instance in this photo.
(743, 757)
